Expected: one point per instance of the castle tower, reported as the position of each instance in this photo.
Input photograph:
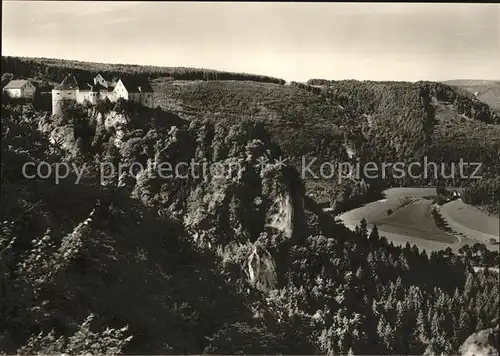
(67, 90)
(96, 92)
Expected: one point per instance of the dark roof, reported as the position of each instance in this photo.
(68, 83)
(137, 85)
(100, 75)
(16, 84)
(95, 87)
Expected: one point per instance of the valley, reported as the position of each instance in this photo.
(405, 216)
(222, 178)
(261, 257)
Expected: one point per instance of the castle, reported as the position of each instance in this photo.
(132, 89)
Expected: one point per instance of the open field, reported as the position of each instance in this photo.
(415, 219)
(395, 198)
(471, 221)
(411, 220)
(410, 192)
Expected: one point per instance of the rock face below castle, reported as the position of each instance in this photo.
(127, 88)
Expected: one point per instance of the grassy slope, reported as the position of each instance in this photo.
(472, 220)
(411, 220)
(415, 219)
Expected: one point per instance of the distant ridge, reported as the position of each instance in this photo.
(488, 91)
(55, 70)
(470, 81)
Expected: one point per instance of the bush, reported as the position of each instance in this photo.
(121, 105)
(84, 341)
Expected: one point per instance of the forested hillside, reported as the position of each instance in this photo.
(324, 121)
(247, 262)
(240, 263)
(321, 121)
(55, 70)
(349, 121)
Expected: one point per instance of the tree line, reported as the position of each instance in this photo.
(55, 70)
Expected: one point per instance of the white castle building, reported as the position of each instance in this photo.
(132, 89)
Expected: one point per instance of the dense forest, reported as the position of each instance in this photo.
(485, 192)
(55, 70)
(353, 121)
(247, 263)
(465, 102)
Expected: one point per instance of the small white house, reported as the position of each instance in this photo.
(20, 89)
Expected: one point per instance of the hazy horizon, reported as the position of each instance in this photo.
(293, 41)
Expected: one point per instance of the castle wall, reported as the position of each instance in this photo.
(14, 93)
(145, 99)
(135, 97)
(94, 97)
(58, 96)
(81, 96)
(109, 94)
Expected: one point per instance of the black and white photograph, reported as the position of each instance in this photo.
(250, 178)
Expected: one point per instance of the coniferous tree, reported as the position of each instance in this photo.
(374, 235)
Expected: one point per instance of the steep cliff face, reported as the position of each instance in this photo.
(262, 269)
(252, 198)
(115, 122)
(64, 129)
(280, 215)
(226, 185)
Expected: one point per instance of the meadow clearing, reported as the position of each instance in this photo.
(470, 221)
(405, 215)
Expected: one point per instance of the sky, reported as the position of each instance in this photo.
(293, 41)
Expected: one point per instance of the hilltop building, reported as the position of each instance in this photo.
(99, 79)
(131, 89)
(134, 90)
(20, 89)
